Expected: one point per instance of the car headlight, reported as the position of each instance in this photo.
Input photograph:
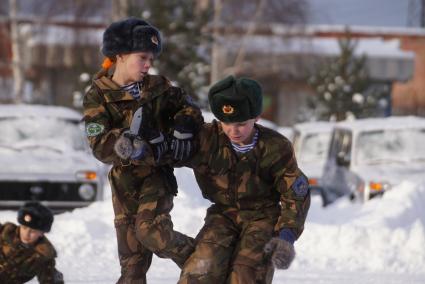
(86, 191)
(86, 175)
(378, 186)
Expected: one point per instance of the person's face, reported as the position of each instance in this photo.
(29, 236)
(239, 132)
(135, 65)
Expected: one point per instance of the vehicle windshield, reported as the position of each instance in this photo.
(390, 146)
(313, 148)
(25, 133)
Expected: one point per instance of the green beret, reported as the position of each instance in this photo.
(235, 100)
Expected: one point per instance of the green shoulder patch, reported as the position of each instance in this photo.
(94, 129)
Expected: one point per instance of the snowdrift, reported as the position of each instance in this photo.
(382, 241)
(385, 234)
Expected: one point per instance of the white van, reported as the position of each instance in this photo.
(45, 157)
(370, 156)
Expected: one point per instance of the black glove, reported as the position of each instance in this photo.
(57, 277)
(282, 251)
(143, 123)
(182, 145)
(157, 142)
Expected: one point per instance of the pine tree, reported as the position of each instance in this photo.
(343, 86)
(182, 59)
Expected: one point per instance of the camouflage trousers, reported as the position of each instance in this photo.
(230, 250)
(144, 229)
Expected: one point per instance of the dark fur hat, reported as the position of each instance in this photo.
(235, 100)
(35, 216)
(131, 35)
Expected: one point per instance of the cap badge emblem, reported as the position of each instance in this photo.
(27, 218)
(228, 109)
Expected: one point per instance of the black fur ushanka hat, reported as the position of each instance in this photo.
(131, 35)
(35, 216)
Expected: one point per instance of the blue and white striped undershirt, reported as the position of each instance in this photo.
(248, 147)
(134, 89)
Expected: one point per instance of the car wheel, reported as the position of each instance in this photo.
(352, 197)
(325, 199)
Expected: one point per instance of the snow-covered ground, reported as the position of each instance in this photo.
(382, 241)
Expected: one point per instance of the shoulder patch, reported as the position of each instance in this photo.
(300, 186)
(94, 129)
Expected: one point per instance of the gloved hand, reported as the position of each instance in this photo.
(181, 144)
(281, 249)
(129, 146)
(139, 148)
(157, 142)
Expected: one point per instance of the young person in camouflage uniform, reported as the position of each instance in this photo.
(260, 197)
(25, 250)
(129, 117)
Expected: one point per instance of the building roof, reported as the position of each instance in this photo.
(299, 54)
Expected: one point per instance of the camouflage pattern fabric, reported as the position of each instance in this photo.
(20, 263)
(142, 190)
(255, 195)
(229, 249)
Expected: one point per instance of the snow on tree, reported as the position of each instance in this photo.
(343, 87)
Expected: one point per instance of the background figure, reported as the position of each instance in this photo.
(129, 117)
(260, 196)
(25, 250)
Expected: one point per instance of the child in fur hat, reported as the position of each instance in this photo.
(25, 250)
(260, 198)
(132, 120)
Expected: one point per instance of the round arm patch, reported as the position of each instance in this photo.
(300, 186)
(94, 129)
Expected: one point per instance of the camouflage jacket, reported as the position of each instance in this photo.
(257, 182)
(108, 112)
(20, 263)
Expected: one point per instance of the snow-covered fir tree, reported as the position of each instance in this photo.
(343, 87)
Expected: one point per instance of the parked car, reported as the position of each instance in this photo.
(45, 157)
(368, 157)
(311, 145)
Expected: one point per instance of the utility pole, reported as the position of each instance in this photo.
(416, 13)
(120, 9)
(18, 74)
(422, 15)
(215, 45)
